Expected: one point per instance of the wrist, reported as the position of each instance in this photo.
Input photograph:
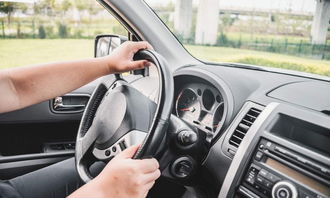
(105, 187)
(98, 189)
(90, 189)
(107, 64)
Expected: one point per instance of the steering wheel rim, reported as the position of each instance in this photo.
(150, 146)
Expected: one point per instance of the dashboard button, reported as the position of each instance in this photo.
(263, 173)
(303, 194)
(182, 167)
(251, 175)
(256, 186)
(283, 193)
(267, 184)
(265, 192)
(250, 180)
(232, 152)
(272, 177)
(107, 152)
(260, 180)
(258, 156)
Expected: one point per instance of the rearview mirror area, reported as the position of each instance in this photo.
(106, 43)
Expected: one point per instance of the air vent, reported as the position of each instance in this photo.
(243, 127)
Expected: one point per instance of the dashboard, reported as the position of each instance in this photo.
(271, 131)
(259, 124)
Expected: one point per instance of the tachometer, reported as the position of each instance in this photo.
(188, 106)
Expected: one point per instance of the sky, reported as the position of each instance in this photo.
(282, 5)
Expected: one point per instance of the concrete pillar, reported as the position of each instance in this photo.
(207, 22)
(183, 18)
(320, 22)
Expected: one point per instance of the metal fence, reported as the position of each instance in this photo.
(301, 48)
(28, 29)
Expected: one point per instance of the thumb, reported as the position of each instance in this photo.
(129, 152)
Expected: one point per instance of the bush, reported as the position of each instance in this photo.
(62, 31)
(50, 32)
(78, 33)
(222, 39)
(285, 65)
(41, 32)
(119, 30)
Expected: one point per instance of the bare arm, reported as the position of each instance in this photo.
(24, 86)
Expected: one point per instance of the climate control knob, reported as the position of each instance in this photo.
(284, 189)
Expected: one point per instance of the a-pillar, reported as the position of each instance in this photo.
(207, 22)
(183, 18)
(320, 22)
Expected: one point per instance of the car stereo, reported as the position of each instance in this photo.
(278, 172)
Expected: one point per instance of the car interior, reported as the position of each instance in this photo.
(217, 129)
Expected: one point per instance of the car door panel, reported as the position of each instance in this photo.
(37, 136)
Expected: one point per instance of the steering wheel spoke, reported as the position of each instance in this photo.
(134, 137)
(85, 142)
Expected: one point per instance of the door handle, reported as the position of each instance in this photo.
(58, 104)
(62, 107)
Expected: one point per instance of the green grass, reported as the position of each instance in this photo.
(246, 37)
(15, 52)
(86, 28)
(222, 54)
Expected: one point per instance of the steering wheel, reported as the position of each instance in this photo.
(118, 116)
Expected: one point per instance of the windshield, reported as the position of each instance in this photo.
(289, 34)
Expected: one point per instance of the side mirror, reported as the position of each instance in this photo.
(106, 43)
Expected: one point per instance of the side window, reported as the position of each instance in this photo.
(52, 30)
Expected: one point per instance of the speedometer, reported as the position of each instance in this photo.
(188, 106)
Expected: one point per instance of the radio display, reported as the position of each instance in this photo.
(298, 176)
(303, 133)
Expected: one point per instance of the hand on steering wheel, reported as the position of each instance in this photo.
(118, 116)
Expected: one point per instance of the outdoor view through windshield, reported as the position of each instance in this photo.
(290, 34)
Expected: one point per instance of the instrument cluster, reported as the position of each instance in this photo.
(202, 106)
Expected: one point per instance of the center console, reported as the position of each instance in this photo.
(277, 171)
(284, 154)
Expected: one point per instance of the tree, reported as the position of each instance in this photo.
(66, 5)
(80, 5)
(41, 32)
(7, 8)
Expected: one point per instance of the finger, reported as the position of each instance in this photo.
(149, 46)
(141, 45)
(148, 165)
(148, 186)
(145, 194)
(129, 152)
(150, 177)
(140, 64)
(145, 189)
